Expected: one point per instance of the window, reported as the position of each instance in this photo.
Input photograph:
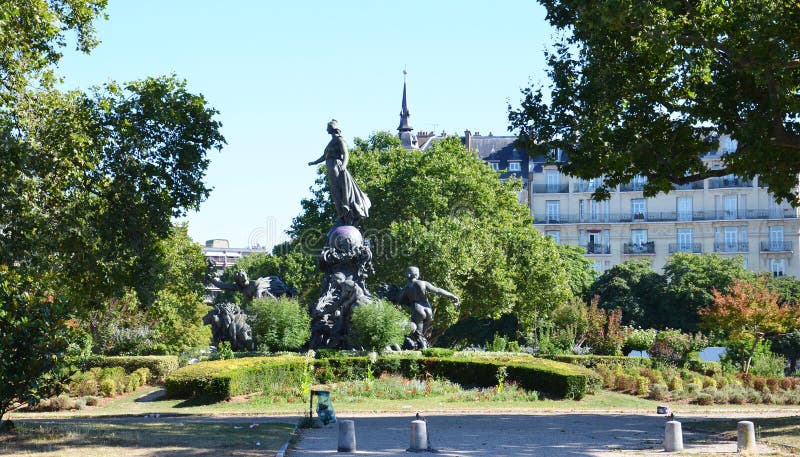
(553, 211)
(684, 208)
(685, 238)
(581, 210)
(495, 166)
(638, 209)
(775, 210)
(514, 166)
(639, 182)
(731, 239)
(776, 238)
(553, 179)
(639, 237)
(777, 267)
(555, 235)
(730, 206)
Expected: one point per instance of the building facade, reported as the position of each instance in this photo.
(727, 215)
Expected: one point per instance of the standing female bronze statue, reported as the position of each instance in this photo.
(351, 203)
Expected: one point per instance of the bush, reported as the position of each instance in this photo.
(704, 399)
(437, 352)
(222, 379)
(279, 325)
(640, 340)
(108, 387)
(672, 346)
(767, 364)
(91, 400)
(159, 366)
(378, 324)
(659, 392)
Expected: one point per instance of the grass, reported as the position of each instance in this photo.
(137, 437)
(771, 430)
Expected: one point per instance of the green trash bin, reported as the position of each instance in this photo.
(325, 410)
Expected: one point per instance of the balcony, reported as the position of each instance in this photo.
(694, 248)
(667, 216)
(695, 185)
(632, 186)
(776, 246)
(639, 248)
(586, 186)
(598, 248)
(743, 246)
(550, 188)
(724, 183)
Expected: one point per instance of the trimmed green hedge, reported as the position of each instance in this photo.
(591, 361)
(223, 379)
(227, 378)
(159, 365)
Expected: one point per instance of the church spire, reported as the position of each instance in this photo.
(405, 131)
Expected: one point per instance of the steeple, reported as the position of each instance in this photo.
(405, 131)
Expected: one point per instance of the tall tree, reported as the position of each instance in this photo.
(445, 211)
(635, 289)
(639, 87)
(691, 279)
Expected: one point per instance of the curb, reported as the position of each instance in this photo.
(282, 450)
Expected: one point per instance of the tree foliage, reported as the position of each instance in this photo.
(445, 211)
(635, 289)
(691, 281)
(639, 87)
(35, 335)
(748, 314)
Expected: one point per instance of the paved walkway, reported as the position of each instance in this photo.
(550, 435)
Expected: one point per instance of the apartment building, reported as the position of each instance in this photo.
(727, 215)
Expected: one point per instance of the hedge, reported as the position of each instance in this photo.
(159, 365)
(591, 361)
(223, 379)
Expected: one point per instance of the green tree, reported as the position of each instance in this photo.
(172, 322)
(34, 337)
(637, 88)
(691, 281)
(296, 268)
(580, 271)
(445, 211)
(637, 290)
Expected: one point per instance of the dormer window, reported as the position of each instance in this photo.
(495, 166)
(514, 166)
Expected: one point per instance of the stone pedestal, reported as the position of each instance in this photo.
(673, 437)
(419, 436)
(745, 437)
(347, 436)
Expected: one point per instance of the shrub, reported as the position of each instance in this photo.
(222, 379)
(437, 352)
(672, 346)
(108, 388)
(497, 344)
(736, 397)
(703, 398)
(659, 392)
(159, 366)
(675, 384)
(378, 324)
(83, 383)
(640, 340)
(143, 374)
(91, 400)
(279, 325)
(720, 396)
(642, 385)
(767, 364)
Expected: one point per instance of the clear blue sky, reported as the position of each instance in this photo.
(279, 71)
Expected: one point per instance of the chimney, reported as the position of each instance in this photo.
(468, 139)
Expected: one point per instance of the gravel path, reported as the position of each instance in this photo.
(550, 435)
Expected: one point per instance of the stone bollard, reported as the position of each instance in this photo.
(347, 436)
(673, 437)
(419, 436)
(745, 437)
